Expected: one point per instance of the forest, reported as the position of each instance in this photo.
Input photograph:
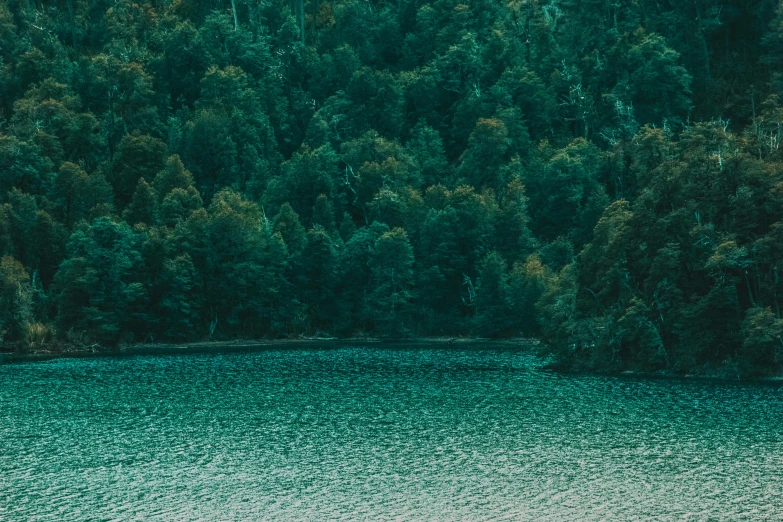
(604, 175)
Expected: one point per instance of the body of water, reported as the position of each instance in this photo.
(379, 433)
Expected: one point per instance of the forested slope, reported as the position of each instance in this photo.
(603, 174)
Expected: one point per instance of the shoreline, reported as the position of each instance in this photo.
(247, 345)
(238, 346)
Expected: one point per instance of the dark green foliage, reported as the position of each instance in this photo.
(48, 246)
(179, 303)
(317, 277)
(15, 298)
(289, 227)
(178, 205)
(323, 213)
(426, 148)
(513, 236)
(97, 287)
(657, 86)
(486, 153)
(606, 177)
(138, 156)
(236, 258)
(528, 281)
(173, 176)
(23, 165)
(492, 297)
(71, 193)
(391, 281)
(304, 177)
(354, 278)
(143, 207)
(568, 197)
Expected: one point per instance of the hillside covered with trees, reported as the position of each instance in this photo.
(603, 174)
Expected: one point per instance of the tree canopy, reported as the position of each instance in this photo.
(604, 176)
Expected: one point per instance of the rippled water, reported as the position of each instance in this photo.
(379, 434)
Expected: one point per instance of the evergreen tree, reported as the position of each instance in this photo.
(15, 298)
(602, 175)
(391, 282)
(138, 156)
(143, 206)
(178, 205)
(323, 213)
(426, 148)
(491, 305)
(317, 276)
(173, 176)
(287, 224)
(95, 285)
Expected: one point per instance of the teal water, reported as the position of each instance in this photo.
(379, 434)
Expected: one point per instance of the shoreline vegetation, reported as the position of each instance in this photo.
(533, 346)
(66, 351)
(605, 178)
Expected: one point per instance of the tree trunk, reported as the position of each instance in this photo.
(234, 12)
(750, 291)
(73, 23)
(705, 49)
(300, 18)
(527, 33)
(313, 25)
(111, 125)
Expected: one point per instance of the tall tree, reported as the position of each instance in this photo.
(392, 282)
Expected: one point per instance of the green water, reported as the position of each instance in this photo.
(379, 434)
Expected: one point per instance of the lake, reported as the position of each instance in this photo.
(379, 433)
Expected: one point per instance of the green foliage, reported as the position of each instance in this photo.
(304, 177)
(138, 156)
(606, 177)
(289, 227)
(15, 298)
(317, 277)
(179, 303)
(173, 176)
(492, 297)
(659, 88)
(232, 255)
(97, 289)
(323, 213)
(75, 193)
(528, 280)
(514, 238)
(391, 282)
(763, 340)
(568, 197)
(354, 278)
(486, 152)
(178, 205)
(143, 206)
(23, 164)
(426, 148)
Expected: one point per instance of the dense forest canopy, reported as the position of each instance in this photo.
(603, 174)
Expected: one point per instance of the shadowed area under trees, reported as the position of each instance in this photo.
(606, 176)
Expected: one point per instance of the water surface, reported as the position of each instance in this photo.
(379, 434)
